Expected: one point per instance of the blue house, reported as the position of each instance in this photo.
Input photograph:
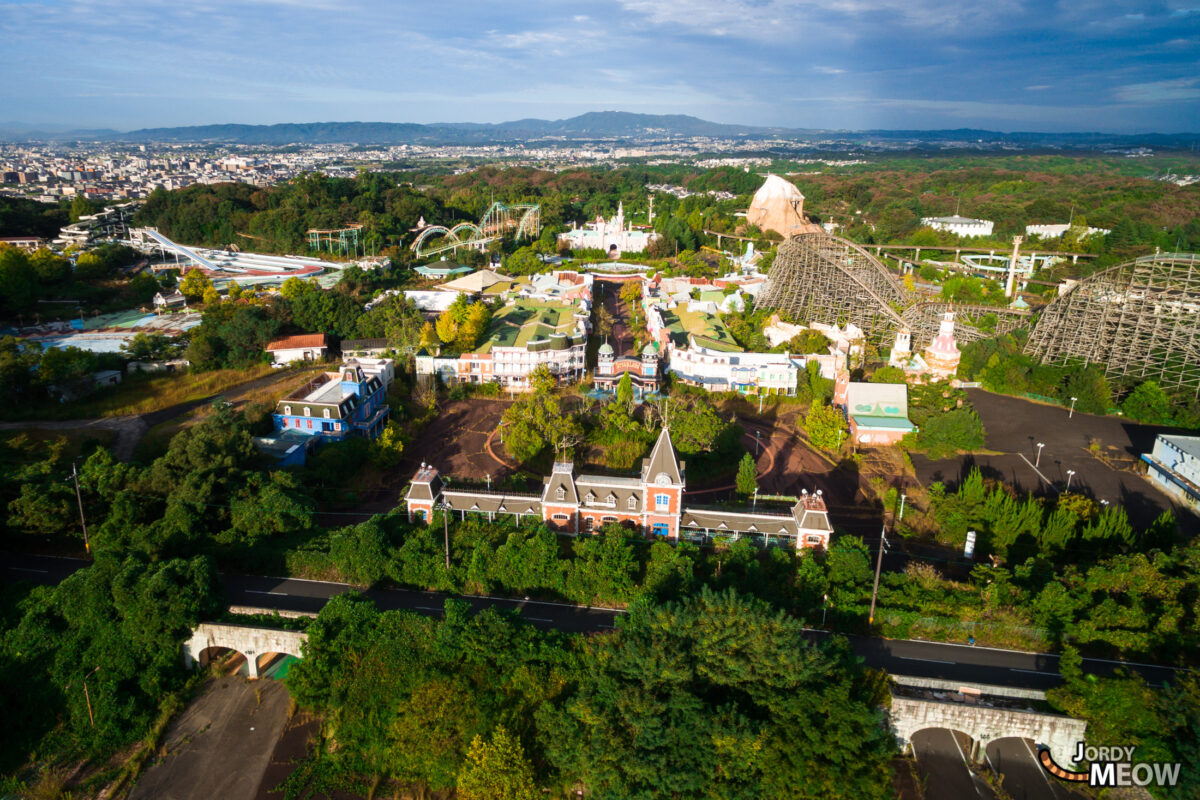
(331, 408)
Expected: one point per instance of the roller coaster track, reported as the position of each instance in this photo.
(522, 221)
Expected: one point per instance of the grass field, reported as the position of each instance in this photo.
(142, 394)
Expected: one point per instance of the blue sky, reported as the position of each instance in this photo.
(852, 64)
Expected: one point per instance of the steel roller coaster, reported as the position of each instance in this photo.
(521, 221)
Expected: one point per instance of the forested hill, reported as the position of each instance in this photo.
(592, 125)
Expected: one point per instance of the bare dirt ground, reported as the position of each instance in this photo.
(1014, 427)
(221, 745)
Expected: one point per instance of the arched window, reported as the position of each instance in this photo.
(327, 413)
(307, 411)
(287, 409)
(560, 493)
(632, 501)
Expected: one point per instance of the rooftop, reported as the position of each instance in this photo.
(708, 329)
(526, 321)
(298, 341)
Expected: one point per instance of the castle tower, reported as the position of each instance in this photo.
(902, 349)
(662, 486)
(604, 360)
(943, 354)
(650, 360)
(841, 387)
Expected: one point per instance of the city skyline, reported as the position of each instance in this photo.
(844, 65)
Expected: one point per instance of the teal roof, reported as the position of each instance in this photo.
(887, 423)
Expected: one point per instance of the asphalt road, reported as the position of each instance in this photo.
(1022, 777)
(942, 761)
(921, 659)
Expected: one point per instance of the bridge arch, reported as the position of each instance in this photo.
(984, 724)
(251, 642)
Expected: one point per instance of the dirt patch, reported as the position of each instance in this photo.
(221, 745)
(1102, 451)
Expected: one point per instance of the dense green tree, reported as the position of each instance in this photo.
(1148, 403)
(825, 425)
(747, 476)
(496, 769)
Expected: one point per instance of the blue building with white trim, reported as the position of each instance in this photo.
(1174, 465)
(330, 408)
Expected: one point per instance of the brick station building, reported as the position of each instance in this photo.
(652, 502)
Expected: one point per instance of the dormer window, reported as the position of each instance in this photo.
(287, 409)
(591, 498)
(307, 411)
(611, 499)
(327, 413)
(560, 493)
(632, 501)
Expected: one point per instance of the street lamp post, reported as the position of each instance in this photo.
(488, 476)
(824, 609)
(1070, 474)
(1073, 399)
(900, 516)
(1040, 445)
(756, 444)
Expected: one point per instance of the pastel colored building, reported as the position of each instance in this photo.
(331, 408)
(522, 336)
(643, 372)
(652, 502)
(612, 236)
(1174, 466)
(876, 412)
(942, 355)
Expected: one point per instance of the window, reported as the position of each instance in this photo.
(661, 529)
(815, 540)
(662, 502)
(310, 424)
(560, 518)
(307, 413)
(287, 409)
(560, 493)
(632, 501)
(327, 413)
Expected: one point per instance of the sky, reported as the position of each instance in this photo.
(1084, 65)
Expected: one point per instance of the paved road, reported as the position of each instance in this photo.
(942, 761)
(1022, 777)
(954, 662)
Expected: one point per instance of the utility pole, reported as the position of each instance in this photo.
(82, 523)
(878, 567)
(446, 531)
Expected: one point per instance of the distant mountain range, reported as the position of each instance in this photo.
(591, 126)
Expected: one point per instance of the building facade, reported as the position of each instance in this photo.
(747, 373)
(612, 236)
(643, 372)
(331, 408)
(877, 413)
(653, 502)
(302, 347)
(1174, 465)
(960, 226)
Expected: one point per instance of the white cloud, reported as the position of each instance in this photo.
(829, 70)
(1159, 91)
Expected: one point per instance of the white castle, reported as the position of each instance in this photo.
(612, 236)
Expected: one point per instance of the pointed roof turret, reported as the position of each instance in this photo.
(663, 462)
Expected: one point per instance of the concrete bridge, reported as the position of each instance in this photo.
(984, 724)
(253, 643)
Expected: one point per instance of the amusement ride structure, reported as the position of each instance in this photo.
(521, 220)
(1139, 320)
